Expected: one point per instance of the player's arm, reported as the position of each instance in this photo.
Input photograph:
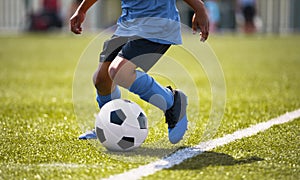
(78, 17)
(200, 18)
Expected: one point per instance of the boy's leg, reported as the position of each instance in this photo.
(139, 52)
(106, 89)
(144, 54)
(172, 102)
(124, 73)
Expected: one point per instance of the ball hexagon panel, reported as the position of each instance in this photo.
(117, 117)
(142, 119)
(126, 142)
(100, 134)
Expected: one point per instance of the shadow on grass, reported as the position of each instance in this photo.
(210, 158)
(144, 152)
(142, 155)
(204, 159)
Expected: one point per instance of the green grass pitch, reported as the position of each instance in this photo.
(39, 129)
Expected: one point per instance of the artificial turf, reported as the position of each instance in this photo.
(39, 126)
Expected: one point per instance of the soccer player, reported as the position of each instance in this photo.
(145, 31)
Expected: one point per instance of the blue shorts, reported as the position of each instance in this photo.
(142, 52)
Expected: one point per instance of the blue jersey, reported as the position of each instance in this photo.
(156, 20)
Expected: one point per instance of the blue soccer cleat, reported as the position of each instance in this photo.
(88, 135)
(176, 117)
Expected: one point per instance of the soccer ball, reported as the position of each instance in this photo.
(121, 125)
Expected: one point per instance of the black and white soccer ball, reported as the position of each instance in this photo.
(121, 125)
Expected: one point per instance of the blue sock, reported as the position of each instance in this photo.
(149, 90)
(116, 94)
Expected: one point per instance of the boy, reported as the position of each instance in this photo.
(145, 31)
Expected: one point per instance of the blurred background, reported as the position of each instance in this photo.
(248, 16)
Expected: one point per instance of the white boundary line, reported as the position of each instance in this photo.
(186, 153)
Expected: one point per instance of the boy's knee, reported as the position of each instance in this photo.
(101, 77)
(112, 72)
(98, 79)
(117, 74)
(122, 72)
(102, 82)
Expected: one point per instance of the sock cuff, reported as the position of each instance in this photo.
(116, 94)
(151, 91)
(139, 74)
